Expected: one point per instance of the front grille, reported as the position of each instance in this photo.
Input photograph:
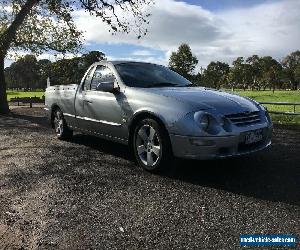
(244, 119)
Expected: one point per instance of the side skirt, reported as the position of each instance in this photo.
(100, 135)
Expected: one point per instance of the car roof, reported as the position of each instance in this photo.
(119, 62)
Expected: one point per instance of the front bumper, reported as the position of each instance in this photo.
(212, 147)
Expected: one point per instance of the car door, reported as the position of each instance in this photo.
(81, 102)
(103, 110)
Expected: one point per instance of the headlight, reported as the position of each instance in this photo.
(225, 124)
(204, 122)
(222, 121)
(210, 123)
(202, 119)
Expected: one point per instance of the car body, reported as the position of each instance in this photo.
(201, 123)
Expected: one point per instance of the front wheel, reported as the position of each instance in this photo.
(151, 146)
(60, 126)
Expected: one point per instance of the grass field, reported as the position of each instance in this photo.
(12, 94)
(260, 96)
(277, 96)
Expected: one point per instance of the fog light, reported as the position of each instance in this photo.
(201, 142)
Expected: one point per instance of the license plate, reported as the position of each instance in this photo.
(253, 136)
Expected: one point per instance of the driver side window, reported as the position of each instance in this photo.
(88, 79)
(101, 74)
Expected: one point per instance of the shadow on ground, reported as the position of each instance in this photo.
(31, 116)
(272, 175)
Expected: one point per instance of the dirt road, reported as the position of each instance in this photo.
(88, 193)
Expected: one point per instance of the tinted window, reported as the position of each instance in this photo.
(87, 80)
(146, 75)
(102, 74)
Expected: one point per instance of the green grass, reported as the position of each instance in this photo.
(12, 94)
(277, 96)
(260, 96)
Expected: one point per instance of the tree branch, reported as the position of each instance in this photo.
(8, 36)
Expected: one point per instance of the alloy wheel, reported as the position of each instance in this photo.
(58, 123)
(148, 145)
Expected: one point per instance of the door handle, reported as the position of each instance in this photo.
(88, 101)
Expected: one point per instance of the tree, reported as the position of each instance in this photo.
(92, 57)
(27, 72)
(230, 79)
(254, 62)
(24, 73)
(40, 25)
(215, 74)
(271, 70)
(237, 71)
(11, 77)
(297, 73)
(44, 72)
(290, 64)
(241, 73)
(71, 71)
(86, 60)
(183, 61)
(197, 79)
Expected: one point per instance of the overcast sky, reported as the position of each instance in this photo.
(215, 30)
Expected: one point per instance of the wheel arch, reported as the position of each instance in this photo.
(143, 115)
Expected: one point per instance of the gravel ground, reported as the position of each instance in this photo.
(88, 193)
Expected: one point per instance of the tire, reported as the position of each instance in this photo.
(60, 125)
(151, 146)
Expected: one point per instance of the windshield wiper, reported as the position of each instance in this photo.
(162, 84)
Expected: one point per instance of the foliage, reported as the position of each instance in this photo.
(27, 73)
(23, 72)
(254, 73)
(291, 65)
(49, 24)
(71, 71)
(42, 25)
(270, 72)
(183, 61)
(215, 74)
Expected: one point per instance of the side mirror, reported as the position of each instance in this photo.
(106, 86)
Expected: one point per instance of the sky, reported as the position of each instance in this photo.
(215, 29)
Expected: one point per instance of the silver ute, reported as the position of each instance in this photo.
(158, 113)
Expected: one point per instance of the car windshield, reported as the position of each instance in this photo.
(146, 75)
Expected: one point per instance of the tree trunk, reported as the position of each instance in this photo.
(4, 109)
(6, 38)
(295, 85)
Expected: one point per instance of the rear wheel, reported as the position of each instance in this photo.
(151, 146)
(60, 125)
